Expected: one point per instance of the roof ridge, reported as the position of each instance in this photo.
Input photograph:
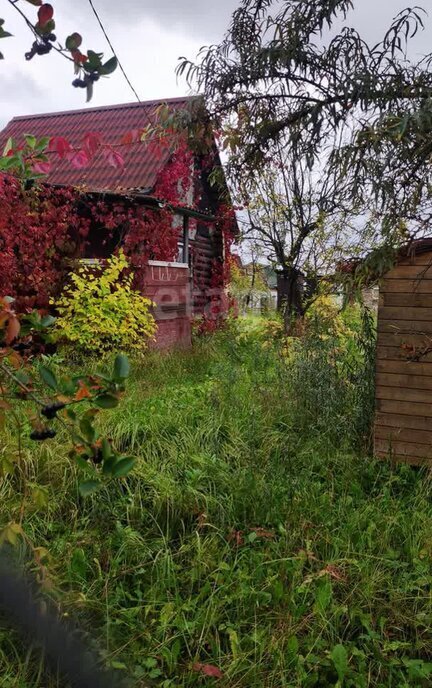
(118, 106)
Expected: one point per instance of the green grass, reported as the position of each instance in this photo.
(254, 534)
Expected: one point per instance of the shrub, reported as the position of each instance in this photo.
(98, 312)
(330, 375)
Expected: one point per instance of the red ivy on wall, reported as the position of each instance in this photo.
(42, 229)
(36, 240)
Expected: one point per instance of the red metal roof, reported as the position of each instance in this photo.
(112, 122)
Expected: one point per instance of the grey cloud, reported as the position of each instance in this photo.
(209, 19)
(19, 91)
(205, 19)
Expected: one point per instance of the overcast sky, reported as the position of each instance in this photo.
(149, 36)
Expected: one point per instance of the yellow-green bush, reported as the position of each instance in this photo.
(99, 312)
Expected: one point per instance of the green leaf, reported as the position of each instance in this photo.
(40, 496)
(292, 647)
(109, 67)
(89, 487)
(47, 321)
(121, 367)
(106, 401)
(324, 595)
(48, 377)
(94, 59)
(11, 534)
(73, 41)
(340, 660)
(89, 91)
(3, 33)
(417, 668)
(42, 143)
(106, 449)
(30, 140)
(108, 465)
(9, 146)
(82, 463)
(78, 564)
(9, 162)
(87, 429)
(123, 467)
(22, 376)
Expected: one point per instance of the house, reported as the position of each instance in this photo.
(264, 297)
(182, 282)
(254, 286)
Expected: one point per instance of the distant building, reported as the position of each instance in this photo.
(257, 292)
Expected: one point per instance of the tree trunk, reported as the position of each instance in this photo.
(290, 296)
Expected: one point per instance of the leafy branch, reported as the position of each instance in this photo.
(88, 67)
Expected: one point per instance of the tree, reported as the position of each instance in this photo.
(88, 67)
(276, 77)
(299, 219)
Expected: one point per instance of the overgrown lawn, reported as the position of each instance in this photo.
(255, 534)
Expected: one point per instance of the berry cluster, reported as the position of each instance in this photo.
(43, 434)
(42, 47)
(50, 411)
(88, 79)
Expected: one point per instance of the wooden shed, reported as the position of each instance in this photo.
(403, 422)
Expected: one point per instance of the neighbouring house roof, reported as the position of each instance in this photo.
(112, 122)
(415, 247)
(409, 250)
(270, 276)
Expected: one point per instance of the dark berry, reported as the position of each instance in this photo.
(94, 76)
(21, 346)
(97, 455)
(43, 48)
(50, 411)
(79, 83)
(40, 435)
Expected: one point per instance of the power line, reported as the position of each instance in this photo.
(114, 52)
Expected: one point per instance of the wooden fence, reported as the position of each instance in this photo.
(403, 423)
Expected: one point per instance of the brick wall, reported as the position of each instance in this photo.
(168, 285)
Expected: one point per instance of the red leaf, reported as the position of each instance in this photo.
(42, 167)
(78, 56)
(92, 142)
(236, 536)
(83, 392)
(133, 136)
(45, 14)
(12, 329)
(59, 145)
(208, 670)
(113, 157)
(127, 138)
(79, 159)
